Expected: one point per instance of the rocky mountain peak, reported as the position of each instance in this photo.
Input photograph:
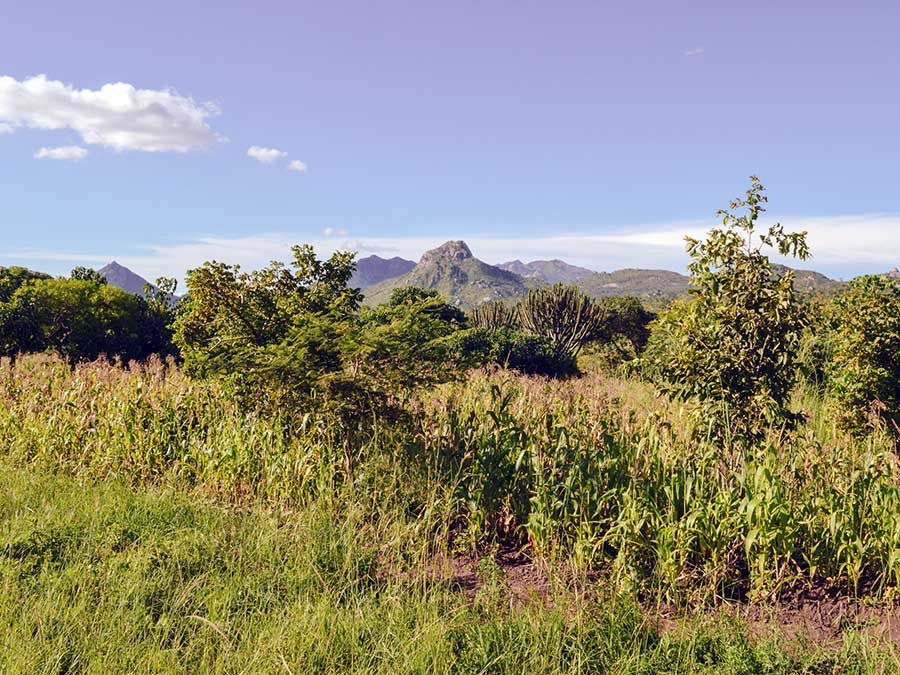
(449, 251)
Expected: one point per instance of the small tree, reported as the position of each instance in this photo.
(562, 314)
(274, 331)
(401, 345)
(864, 373)
(623, 324)
(733, 346)
(79, 319)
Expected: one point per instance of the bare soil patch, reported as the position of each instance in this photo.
(818, 615)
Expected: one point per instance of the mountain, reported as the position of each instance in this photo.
(808, 281)
(455, 273)
(124, 278)
(656, 287)
(548, 271)
(374, 269)
(119, 275)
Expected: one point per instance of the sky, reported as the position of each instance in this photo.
(169, 133)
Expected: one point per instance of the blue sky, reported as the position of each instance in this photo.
(596, 132)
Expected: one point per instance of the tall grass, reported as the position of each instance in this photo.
(101, 577)
(600, 473)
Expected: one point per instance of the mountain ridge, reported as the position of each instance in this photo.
(455, 273)
(553, 271)
(374, 269)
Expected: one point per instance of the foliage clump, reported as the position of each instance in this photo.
(292, 340)
(562, 314)
(864, 373)
(80, 317)
(733, 346)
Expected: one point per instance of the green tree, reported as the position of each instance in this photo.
(79, 319)
(87, 274)
(11, 278)
(623, 323)
(733, 347)
(239, 322)
(402, 344)
(294, 339)
(864, 372)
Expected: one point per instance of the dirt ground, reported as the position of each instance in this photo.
(815, 615)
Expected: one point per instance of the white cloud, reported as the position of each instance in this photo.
(117, 115)
(5, 128)
(843, 246)
(265, 155)
(696, 51)
(70, 152)
(297, 165)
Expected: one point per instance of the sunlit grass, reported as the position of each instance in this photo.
(600, 473)
(98, 577)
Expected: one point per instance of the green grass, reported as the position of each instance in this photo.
(601, 473)
(99, 577)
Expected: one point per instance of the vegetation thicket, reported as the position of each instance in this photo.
(734, 345)
(287, 487)
(865, 364)
(80, 317)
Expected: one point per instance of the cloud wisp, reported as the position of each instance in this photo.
(117, 115)
(694, 51)
(265, 155)
(73, 153)
(297, 165)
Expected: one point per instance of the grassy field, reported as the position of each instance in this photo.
(98, 577)
(150, 525)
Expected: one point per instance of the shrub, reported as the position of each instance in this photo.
(292, 340)
(78, 318)
(733, 347)
(864, 374)
(623, 326)
(524, 352)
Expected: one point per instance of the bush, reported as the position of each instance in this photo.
(493, 315)
(78, 318)
(524, 352)
(294, 340)
(733, 346)
(864, 375)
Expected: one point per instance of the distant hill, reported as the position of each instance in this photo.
(656, 287)
(455, 273)
(119, 275)
(548, 271)
(808, 281)
(374, 269)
